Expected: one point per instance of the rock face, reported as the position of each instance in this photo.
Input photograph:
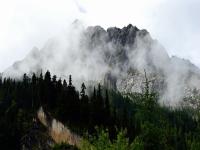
(116, 57)
(57, 131)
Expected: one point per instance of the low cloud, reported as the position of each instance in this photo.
(88, 54)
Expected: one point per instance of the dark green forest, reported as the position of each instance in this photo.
(107, 119)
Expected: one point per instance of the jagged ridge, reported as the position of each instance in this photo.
(114, 56)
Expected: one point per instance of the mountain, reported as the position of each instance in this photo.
(116, 57)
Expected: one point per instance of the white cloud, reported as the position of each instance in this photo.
(28, 23)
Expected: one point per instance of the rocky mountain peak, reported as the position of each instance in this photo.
(108, 55)
(124, 36)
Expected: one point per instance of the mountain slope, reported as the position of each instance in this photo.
(116, 57)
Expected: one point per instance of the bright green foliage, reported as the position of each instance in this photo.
(121, 143)
(137, 144)
(103, 142)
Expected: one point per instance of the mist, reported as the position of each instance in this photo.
(24, 24)
(88, 54)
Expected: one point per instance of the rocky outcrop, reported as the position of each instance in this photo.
(57, 130)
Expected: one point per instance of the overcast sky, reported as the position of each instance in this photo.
(28, 23)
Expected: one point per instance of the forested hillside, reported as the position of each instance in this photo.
(105, 119)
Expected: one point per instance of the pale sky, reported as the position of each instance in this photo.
(28, 23)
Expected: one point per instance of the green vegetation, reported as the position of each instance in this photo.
(132, 122)
(64, 146)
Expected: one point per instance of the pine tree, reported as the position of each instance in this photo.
(48, 89)
(54, 79)
(70, 80)
(149, 98)
(99, 106)
(107, 109)
(33, 95)
(64, 84)
(1, 82)
(100, 101)
(83, 88)
(107, 103)
(99, 90)
(47, 77)
(41, 77)
(94, 93)
(84, 106)
(34, 78)
(25, 79)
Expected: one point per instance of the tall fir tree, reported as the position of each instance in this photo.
(70, 80)
(83, 88)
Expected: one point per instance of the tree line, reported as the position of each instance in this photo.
(139, 114)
